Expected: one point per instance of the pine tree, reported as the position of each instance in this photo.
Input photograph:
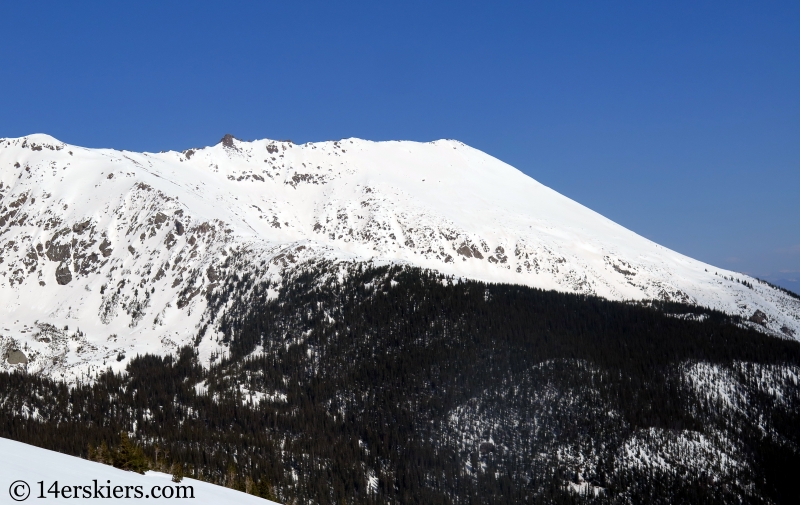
(177, 472)
(130, 456)
(101, 454)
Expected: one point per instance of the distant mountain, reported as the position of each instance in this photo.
(107, 254)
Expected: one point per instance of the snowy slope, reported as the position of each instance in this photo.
(22, 462)
(124, 246)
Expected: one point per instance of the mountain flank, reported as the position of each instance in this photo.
(105, 254)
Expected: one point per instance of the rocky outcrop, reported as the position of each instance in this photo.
(63, 275)
(759, 317)
(105, 248)
(16, 357)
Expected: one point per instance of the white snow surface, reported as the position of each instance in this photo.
(31, 464)
(124, 246)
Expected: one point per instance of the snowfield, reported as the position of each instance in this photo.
(22, 462)
(106, 254)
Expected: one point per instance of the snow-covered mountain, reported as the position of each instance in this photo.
(23, 466)
(106, 254)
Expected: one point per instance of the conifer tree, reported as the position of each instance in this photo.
(130, 456)
(177, 472)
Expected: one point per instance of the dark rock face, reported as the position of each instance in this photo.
(87, 264)
(105, 248)
(160, 219)
(469, 251)
(170, 240)
(63, 275)
(464, 250)
(759, 317)
(59, 252)
(227, 140)
(212, 274)
(58, 247)
(179, 229)
(79, 228)
(16, 357)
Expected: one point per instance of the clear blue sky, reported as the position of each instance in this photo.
(679, 120)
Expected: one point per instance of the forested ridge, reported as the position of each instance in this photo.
(397, 385)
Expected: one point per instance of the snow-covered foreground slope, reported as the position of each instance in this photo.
(23, 466)
(105, 254)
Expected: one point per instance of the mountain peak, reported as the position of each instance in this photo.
(129, 246)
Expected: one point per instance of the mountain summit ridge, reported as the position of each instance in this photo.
(107, 254)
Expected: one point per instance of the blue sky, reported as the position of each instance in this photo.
(679, 120)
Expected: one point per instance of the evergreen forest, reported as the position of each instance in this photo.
(403, 386)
